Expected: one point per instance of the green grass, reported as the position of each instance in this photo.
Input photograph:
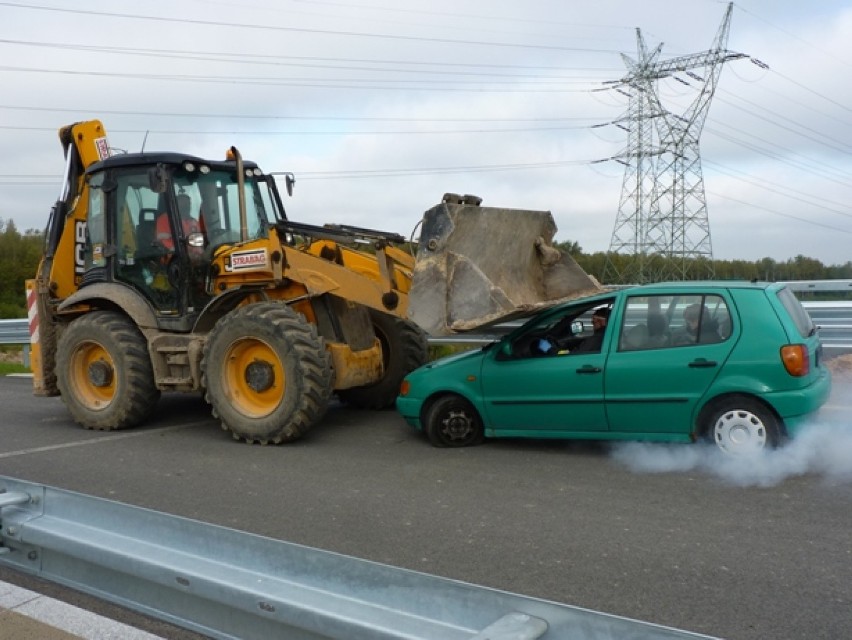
(11, 367)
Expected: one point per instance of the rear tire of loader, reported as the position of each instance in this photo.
(47, 330)
(404, 348)
(267, 374)
(104, 372)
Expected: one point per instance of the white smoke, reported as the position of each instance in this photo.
(819, 449)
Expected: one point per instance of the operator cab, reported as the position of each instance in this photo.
(156, 220)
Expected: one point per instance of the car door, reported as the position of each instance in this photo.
(660, 368)
(529, 394)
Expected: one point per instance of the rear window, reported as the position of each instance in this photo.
(797, 312)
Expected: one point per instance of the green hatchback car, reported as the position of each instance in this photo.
(736, 363)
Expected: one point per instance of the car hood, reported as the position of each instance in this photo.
(457, 357)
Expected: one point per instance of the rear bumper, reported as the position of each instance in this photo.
(797, 407)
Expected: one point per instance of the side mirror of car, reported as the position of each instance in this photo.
(577, 327)
(505, 349)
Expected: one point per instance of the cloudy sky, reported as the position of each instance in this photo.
(381, 106)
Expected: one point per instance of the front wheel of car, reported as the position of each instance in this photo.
(451, 421)
(742, 426)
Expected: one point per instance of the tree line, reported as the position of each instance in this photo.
(20, 254)
(602, 265)
(19, 257)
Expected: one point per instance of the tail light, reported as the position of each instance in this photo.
(796, 359)
(404, 388)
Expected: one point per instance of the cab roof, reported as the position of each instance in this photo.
(150, 158)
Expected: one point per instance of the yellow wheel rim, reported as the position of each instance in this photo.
(93, 376)
(253, 377)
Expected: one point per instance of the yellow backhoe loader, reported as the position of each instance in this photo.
(167, 272)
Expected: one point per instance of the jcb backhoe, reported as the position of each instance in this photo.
(167, 272)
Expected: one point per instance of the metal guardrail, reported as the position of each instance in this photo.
(230, 584)
(17, 332)
(830, 286)
(14, 331)
(833, 317)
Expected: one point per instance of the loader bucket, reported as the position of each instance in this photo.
(478, 266)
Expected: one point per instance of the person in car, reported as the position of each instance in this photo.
(698, 327)
(593, 343)
(554, 344)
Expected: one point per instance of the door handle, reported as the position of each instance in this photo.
(701, 363)
(589, 369)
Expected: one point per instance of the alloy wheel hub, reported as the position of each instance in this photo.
(457, 425)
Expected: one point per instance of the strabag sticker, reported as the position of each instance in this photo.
(102, 147)
(247, 261)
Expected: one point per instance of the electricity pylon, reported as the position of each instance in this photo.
(662, 221)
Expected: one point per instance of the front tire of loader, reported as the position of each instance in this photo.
(404, 348)
(267, 374)
(104, 372)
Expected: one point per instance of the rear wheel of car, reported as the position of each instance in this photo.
(451, 421)
(741, 425)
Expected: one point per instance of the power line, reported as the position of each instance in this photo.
(302, 132)
(384, 173)
(793, 126)
(779, 213)
(238, 116)
(775, 187)
(290, 82)
(820, 167)
(331, 32)
(795, 36)
(845, 107)
(421, 171)
(513, 19)
(443, 68)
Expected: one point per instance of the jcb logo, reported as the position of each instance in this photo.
(79, 248)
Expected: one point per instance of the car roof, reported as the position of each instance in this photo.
(709, 284)
(661, 287)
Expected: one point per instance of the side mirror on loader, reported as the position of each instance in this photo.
(195, 240)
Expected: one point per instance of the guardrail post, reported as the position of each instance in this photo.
(10, 499)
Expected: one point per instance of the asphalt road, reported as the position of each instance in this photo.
(745, 554)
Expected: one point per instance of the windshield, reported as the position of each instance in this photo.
(213, 197)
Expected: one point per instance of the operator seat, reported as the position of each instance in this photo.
(146, 232)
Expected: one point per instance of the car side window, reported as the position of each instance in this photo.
(577, 329)
(661, 322)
